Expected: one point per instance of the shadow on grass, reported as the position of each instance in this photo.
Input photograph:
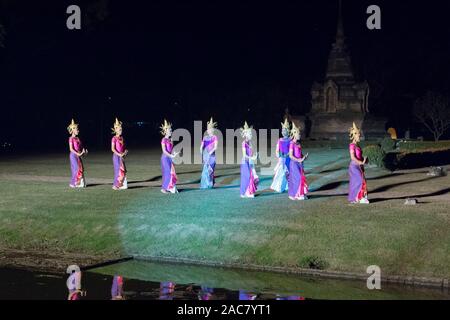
(319, 196)
(396, 174)
(187, 189)
(388, 187)
(189, 172)
(329, 170)
(227, 186)
(330, 186)
(270, 192)
(196, 181)
(139, 187)
(159, 177)
(431, 194)
(156, 178)
(98, 184)
(390, 175)
(226, 175)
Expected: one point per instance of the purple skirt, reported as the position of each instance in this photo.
(249, 182)
(297, 185)
(357, 183)
(209, 164)
(169, 177)
(120, 172)
(76, 167)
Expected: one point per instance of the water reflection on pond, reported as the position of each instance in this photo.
(163, 281)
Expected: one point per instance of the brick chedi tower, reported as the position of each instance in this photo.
(340, 99)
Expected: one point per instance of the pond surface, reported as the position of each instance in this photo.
(148, 280)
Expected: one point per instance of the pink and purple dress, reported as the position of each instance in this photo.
(74, 286)
(76, 164)
(209, 162)
(169, 176)
(120, 170)
(117, 287)
(298, 186)
(249, 178)
(357, 182)
(166, 290)
(280, 179)
(245, 295)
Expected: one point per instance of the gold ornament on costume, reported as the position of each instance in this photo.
(117, 124)
(245, 130)
(165, 127)
(353, 131)
(211, 124)
(294, 131)
(72, 126)
(285, 124)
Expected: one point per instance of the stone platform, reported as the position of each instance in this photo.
(336, 127)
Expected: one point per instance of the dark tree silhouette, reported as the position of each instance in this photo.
(433, 111)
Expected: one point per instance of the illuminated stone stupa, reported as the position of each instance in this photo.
(340, 99)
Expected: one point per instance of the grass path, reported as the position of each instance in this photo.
(38, 212)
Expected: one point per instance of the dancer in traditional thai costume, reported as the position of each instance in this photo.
(119, 152)
(357, 192)
(117, 288)
(280, 179)
(298, 187)
(245, 295)
(208, 150)
(166, 290)
(76, 152)
(169, 176)
(74, 286)
(249, 178)
(205, 293)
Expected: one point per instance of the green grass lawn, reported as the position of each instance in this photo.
(39, 212)
(423, 146)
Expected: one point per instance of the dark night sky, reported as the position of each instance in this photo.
(189, 61)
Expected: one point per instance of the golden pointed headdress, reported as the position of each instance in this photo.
(72, 126)
(165, 127)
(353, 131)
(285, 124)
(117, 124)
(211, 124)
(294, 130)
(245, 130)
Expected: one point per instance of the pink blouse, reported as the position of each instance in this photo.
(119, 144)
(75, 142)
(356, 150)
(168, 144)
(296, 149)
